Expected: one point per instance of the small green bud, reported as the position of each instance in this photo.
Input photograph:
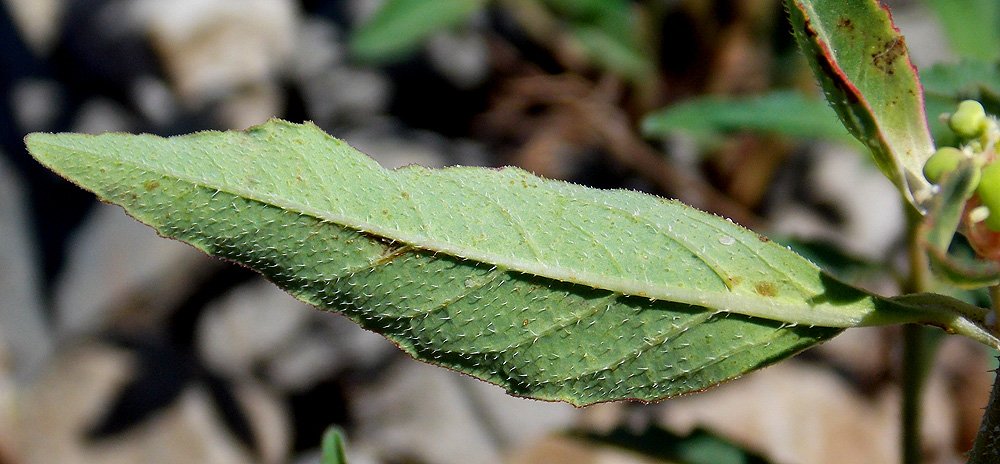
(970, 120)
(944, 160)
(989, 194)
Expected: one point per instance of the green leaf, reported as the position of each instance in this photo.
(939, 225)
(399, 27)
(333, 446)
(613, 16)
(969, 79)
(607, 31)
(552, 290)
(783, 112)
(972, 26)
(945, 209)
(863, 65)
(619, 56)
(969, 274)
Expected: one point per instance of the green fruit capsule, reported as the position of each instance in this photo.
(989, 194)
(970, 119)
(944, 160)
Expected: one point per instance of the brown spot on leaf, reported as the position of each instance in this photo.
(391, 249)
(845, 24)
(891, 50)
(766, 289)
(524, 323)
(150, 185)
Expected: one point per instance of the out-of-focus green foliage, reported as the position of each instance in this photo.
(399, 27)
(780, 112)
(972, 26)
(945, 85)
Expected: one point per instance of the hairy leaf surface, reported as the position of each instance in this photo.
(553, 290)
(863, 64)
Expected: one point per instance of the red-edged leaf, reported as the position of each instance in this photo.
(863, 64)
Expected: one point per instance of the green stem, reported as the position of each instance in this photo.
(995, 305)
(985, 449)
(915, 360)
(915, 346)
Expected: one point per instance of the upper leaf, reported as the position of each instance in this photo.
(552, 290)
(863, 64)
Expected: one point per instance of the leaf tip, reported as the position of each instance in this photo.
(36, 143)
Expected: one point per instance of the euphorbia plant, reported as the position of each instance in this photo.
(552, 290)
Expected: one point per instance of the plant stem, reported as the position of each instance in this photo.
(915, 360)
(915, 346)
(995, 305)
(985, 449)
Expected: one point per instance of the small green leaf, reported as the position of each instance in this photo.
(863, 64)
(944, 210)
(938, 227)
(333, 446)
(963, 273)
(972, 26)
(399, 27)
(552, 290)
(782, 112)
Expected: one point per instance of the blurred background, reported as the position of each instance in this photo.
(119, 346)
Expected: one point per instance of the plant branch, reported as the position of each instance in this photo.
(915, 360)
(915, 347)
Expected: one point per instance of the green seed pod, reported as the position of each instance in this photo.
(944, 160)
(970, 120)
(989, 194)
